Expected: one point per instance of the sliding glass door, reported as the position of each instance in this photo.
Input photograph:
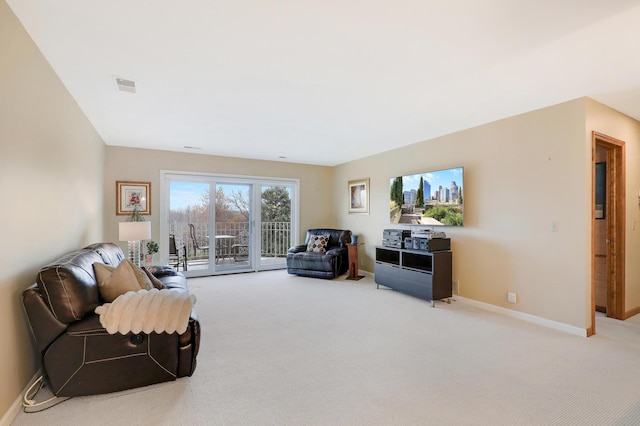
(222, 224)
(233, 218)
(188, 224)
(276, 214)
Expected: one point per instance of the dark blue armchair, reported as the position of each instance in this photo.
(330, 264)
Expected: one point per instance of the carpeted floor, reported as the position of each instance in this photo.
(285, 350)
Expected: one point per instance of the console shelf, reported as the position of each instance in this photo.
(418, 273)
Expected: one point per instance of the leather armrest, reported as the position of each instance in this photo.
(175, 282)
(298, 249)
(189, 345)
(44, 326)
(336, 251)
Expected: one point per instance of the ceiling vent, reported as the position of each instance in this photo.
(125, 85)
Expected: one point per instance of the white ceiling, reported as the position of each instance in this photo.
(326, 82)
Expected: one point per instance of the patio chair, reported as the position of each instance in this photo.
(194, 240)
(241, 248)
(179, 255)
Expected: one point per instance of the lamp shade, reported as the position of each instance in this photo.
(134, 231)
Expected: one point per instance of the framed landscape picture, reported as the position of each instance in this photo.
(359, 196)
(130, 195)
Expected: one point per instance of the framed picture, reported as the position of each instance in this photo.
(359, 196)
(132, 194)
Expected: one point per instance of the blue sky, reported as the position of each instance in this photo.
(185, 194)
(435, 178)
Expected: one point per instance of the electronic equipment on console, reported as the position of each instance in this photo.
(419, 239)
(395, 237)
(427, 233)
(429, 244)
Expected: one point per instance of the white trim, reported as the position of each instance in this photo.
(207, 177)
(560, 326)
(16, 407)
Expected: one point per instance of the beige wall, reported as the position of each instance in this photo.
(521, 174)
(51, 175)
(316, 182)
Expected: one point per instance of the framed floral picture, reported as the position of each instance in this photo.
(359, 196)
(132, 196)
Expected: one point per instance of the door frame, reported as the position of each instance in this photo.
(616, 214)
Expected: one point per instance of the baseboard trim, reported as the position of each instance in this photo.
(632, 312)
(16, 407)
(525, 317)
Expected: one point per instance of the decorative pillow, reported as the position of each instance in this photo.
(154, 281)
(112, 282)
(318, 244)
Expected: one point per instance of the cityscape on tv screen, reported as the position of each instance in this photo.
(431, 198)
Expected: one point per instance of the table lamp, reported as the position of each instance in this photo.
(133, 233)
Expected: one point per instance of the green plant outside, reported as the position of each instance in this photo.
(447, 215)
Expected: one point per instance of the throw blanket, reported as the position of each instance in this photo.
(147, 311)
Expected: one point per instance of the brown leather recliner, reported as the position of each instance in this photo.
(78, 356)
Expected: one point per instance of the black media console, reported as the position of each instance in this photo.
(418, 273)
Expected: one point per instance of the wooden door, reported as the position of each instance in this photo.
(608, 228)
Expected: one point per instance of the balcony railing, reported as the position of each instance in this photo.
(275, 237)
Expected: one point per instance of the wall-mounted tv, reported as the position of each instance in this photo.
(434, 198)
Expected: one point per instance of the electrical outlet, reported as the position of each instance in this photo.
(512, 297)
(360, 262)
(455, 286)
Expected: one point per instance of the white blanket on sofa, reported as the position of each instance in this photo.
(147, 311)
